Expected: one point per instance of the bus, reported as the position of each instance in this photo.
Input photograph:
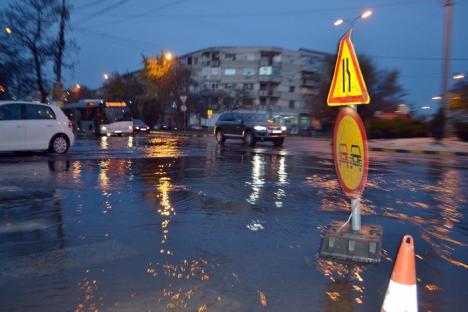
(100, 117)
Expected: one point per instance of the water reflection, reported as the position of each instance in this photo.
(130, 142)
(346, 284)
(258, 172)
(449, 199)
(163, 147)
(76, 172)
(280, 194)
(104, 144)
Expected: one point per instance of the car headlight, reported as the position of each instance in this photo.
(283, 128)
(103, 128)
(137, 127)
(130, 127)
(260, 128)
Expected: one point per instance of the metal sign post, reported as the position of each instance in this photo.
(183, 108)
(350, 154)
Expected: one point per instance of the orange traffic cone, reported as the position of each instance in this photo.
(402, 291)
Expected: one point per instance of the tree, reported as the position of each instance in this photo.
(75, 94)
(31, 39)
(383, 87)
(123, 87)
(238, 99)
(166, 81)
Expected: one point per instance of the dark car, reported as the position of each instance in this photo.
(140, 126)
(250, 127)
(162, 126)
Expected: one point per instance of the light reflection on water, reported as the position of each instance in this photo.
(188, 248)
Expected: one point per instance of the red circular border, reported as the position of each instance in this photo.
(346, 111)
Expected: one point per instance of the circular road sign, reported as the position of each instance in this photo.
(350, 152)
(183, 108)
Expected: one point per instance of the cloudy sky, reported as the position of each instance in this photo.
(404, 35)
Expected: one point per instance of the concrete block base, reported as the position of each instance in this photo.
(362, 246)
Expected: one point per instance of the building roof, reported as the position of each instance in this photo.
(270, 48)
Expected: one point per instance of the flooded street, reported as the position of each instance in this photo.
(183, 224)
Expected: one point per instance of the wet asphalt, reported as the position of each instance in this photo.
(162, 223)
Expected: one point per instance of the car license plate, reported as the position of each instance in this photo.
(276, 131)
(117, 131)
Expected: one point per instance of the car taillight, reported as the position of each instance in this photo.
(70, 125)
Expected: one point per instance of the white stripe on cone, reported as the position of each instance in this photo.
(400, 298)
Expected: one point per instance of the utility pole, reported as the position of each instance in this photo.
(446, 63)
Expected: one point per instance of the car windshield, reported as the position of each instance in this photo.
(138, 122)
(254, 117)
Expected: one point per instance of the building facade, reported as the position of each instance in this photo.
(279, 82)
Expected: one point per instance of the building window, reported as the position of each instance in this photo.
(215, 71)
(248, 86)
(230, 86)
(214, 86)
(229, 71)
(291, 104)
(230, 57)
(265, 70)
(250, 57)
(291, 89)
(189, 60)
(195, 60)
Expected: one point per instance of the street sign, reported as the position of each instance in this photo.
(183, 98)
(350, 152)
(348, 86)
(209, 112)
(183, 108)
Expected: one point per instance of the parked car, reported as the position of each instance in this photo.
(162, 126)
(250, 127)
(31, 126)
(140, 126)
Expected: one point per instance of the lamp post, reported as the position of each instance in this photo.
(364, 15)
(8, 30)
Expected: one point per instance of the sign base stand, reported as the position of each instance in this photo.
(364, 245)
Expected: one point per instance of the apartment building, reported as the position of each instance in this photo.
(279, 82)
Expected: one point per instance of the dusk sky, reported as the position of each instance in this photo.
(403, 35)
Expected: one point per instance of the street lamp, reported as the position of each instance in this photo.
(77, 86)
(364, 15)
(106, 76)
(437, 98)
(168, 56)
(459, 77)
(8, 30)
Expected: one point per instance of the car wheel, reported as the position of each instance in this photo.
(249, 139)
(278, 142)
(59, 144)
(220, 137)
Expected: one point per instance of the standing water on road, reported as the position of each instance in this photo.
(134, 224)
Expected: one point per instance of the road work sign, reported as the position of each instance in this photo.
(350, 152)
(348, 86)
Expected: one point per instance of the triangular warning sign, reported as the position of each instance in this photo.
(348, 86)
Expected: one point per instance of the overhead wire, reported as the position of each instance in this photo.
(101, 11)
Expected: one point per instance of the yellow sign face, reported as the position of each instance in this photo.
(348, 86)
(350, 152)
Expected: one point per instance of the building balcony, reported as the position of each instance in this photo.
(269, 78)
(269, 93)
(308, 82)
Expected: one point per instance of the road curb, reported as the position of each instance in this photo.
(419, 152)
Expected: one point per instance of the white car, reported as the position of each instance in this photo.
(29, 126)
